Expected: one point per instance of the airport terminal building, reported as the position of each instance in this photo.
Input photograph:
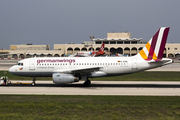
(115, 43)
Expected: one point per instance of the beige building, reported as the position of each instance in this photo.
(120, 43)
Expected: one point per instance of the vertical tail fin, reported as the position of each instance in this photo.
(101, 48)
(155, 47)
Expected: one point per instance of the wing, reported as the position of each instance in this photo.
(79, 71)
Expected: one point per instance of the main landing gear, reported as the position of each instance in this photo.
(33, 83)
(87, 82)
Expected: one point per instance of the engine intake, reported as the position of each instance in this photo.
(60, 78)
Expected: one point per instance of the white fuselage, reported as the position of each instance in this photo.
(109, 66)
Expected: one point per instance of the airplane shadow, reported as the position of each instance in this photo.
(99, 85)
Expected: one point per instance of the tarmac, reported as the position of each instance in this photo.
(134, 88)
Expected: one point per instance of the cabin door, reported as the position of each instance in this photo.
(32, 64)
(134, 64)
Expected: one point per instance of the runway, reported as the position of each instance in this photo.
(140, 88)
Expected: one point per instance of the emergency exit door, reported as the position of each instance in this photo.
(32, 65)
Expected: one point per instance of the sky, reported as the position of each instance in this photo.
(49, 22)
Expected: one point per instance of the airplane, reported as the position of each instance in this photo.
(100, 52)
(72, 69)
(90, 54)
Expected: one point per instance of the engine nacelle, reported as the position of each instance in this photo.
(60, 78)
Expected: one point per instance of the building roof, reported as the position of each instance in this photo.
(105, 39)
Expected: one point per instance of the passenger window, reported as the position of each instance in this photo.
(21, 64)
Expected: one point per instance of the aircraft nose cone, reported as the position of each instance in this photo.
(11, 70)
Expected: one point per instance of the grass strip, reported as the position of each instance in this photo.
(89, 107)
(140, 76)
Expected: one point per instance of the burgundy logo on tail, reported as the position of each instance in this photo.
(155, 47)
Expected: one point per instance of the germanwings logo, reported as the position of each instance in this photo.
(55, 60)
(155, 47)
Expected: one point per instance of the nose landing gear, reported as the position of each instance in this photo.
(33, 83)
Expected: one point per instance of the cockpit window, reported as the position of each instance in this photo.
(19, 64)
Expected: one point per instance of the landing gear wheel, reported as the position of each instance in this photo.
(87, 83)
(33, 83)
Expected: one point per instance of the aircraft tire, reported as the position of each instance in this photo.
(33, 83)
(86, 84)
(89, 82)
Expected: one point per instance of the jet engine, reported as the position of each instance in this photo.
(60, 78)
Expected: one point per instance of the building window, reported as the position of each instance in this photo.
(98, 42)
(175, 48)
(133, 42)
(119, 42)
(126, 42)
(112, 42)
(168, 48)
(106, 42)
